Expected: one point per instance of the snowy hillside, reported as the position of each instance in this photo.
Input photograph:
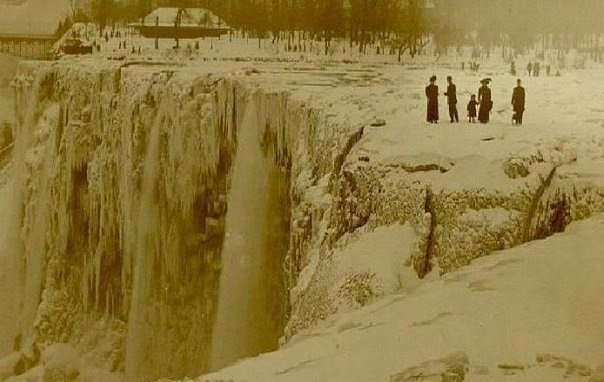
(533, 313)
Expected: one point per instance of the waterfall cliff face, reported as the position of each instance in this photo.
(134, 189)
(121, 187)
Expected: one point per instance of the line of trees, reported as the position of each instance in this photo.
(396, 26)
(520, 24)
(364, 22)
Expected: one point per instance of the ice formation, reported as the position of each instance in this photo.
(168, 220)
(98, 154)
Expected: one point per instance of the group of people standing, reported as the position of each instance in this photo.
(533, 69)
(480, 107)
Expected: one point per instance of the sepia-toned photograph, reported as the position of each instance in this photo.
(301, 190)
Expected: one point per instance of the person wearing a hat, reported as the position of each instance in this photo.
(452, 100)
(486, 103)
(432, 95)
(518, 103)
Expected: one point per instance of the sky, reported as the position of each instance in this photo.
(32, 16)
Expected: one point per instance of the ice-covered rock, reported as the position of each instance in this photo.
(452, 368)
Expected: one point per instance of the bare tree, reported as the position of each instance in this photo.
(411, 29)
(102, 13)
(329, 20)
(73, 6)
(182, 6)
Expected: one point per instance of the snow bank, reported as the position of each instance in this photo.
(531, 313)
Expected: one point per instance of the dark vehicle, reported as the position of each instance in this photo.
(76, 46)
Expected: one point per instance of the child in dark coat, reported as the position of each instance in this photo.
(472, 109)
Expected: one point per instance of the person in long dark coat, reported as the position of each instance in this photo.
(518, 102)
(432, 95)
(486, 103)
(452, 100)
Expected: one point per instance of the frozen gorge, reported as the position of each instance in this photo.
(165, 221)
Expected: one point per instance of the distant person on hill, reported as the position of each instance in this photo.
(485, 100)
(529, 68)
(472, 109)
(432, 95)
(452, 100)
(518, 102)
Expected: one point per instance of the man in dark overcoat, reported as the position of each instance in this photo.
(452, 100)
(518, 103)
(432, 95)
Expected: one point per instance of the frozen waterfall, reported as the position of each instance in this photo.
(246, 323)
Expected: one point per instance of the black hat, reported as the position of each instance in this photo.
(433, 78)
(485, 80)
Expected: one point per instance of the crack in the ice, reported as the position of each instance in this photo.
(426, 265)
(5, 154)
(432, 320)
(298, 366)
(424, 168)
(352, 141)
(150, 63)
(526, 234)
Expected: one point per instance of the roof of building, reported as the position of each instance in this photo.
(198, 17)
(346, 4)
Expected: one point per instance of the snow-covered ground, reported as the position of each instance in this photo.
(532, 313)
(377, 196)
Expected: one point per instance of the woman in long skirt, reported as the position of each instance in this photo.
(486, 103)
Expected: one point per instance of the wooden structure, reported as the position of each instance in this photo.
(183, 32)
(31, 46)
(181, 23)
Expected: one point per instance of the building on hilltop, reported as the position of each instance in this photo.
(181, 23)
